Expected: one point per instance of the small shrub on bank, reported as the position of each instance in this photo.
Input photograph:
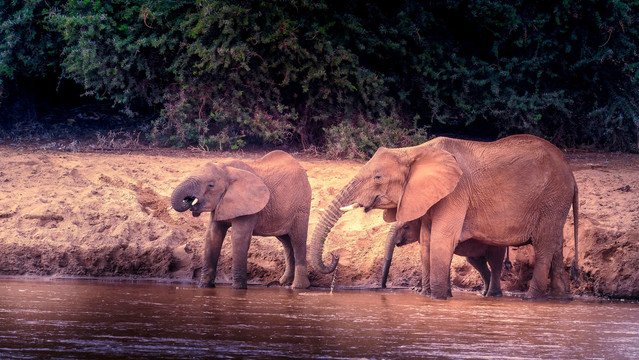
(360, 140)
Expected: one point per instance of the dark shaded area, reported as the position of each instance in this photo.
(55, 110)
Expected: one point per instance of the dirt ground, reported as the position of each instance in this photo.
(107, 215)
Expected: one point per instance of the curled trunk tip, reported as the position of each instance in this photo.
(184, 191)
(328, 219)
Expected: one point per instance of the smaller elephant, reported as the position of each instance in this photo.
(270, 196)
(477, 254)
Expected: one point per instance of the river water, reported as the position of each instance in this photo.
(64, 319)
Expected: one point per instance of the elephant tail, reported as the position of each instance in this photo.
(508, 265)
(574, 270)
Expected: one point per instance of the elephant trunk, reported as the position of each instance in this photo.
(184, 194)
(326, 223)
(388, 253)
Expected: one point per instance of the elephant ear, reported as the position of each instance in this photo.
(246, 194)
(433, 175)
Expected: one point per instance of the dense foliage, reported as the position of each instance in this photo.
(348, 75)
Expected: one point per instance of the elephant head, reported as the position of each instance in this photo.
(405, 182)
(227, 192)
(400, 234)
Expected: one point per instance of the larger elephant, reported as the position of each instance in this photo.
(509, 192)
(479, 255)
(270, 196)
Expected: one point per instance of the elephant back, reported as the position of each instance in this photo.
(286, 179)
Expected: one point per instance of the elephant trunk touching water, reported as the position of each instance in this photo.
(326, 223)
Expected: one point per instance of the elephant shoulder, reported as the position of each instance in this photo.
(238, 164)
(277, 156)
(279, 168)
(281, 161)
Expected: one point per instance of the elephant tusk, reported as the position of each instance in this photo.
(350, 207)
(194, 202)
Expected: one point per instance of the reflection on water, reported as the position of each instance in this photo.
(89, 320)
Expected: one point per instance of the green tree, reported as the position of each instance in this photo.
(221, 74)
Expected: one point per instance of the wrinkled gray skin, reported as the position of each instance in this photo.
(477, 254)
(510, 192)
(270, 196)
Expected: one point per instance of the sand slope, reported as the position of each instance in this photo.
(107, 215)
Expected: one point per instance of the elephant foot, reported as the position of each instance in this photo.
(438, 297)
(494, 293)
(206, 281)
(534, 296)
(239, 285)
(440, 291)
(301, 284)
(286, 279)
(562, 296)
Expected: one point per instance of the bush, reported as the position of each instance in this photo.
(361, 139)
(221, 74)
(222, 71)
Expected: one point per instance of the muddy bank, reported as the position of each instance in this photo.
(106, 215)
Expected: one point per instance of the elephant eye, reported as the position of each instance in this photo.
(211, 186)
(378, 178)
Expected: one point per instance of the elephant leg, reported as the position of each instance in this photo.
(424, 250)
(297, 236)
(212, 247)
(479, 263)
(559, 285)
(495, 256)
(241, 233)
(440, 273)
(546, 245)
(289, 272)
(446, 229)
(539, 282)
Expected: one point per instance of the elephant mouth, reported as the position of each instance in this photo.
(194, 205)
(372, 204)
